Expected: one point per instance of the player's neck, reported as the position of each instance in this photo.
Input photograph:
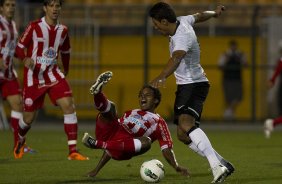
(8, 19)
(51, 22)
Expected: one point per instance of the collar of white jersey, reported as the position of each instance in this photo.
(177, 25)
(44, 22)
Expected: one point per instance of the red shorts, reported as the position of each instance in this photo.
(10, 87)
(33, 96)
(115, 132)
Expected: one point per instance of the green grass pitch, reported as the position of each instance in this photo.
(257, 160)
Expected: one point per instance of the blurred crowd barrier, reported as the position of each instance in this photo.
(118, 36)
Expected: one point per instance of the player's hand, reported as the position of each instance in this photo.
(3, 65)
(28, 62)
(158, 82)
(183, 171)
(219, 10)
(91, 174)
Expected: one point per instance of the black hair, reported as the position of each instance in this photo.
(2, 2)
(161, 11)
(47, 2)
(156, 91)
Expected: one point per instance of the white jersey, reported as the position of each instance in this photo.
(189, 69)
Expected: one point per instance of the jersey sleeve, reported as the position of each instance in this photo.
(24, 42)
(164, 137)
(65, 52)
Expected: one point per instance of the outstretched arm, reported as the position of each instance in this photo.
(206, 15)
(170, 158)
(171, 66)
(104, 159)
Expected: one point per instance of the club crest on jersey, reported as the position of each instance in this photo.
(49, 57)
(50, 53)
(28, 102)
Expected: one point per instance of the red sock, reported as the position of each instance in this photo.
(70, 126)
(277, 121)
(15, 128)
(125, 145)
(101, 102)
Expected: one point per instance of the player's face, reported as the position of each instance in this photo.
(8, 9)
(147, 100)
(161, 27)
(52, 10)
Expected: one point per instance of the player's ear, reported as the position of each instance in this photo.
(44, 9)
(156, 101)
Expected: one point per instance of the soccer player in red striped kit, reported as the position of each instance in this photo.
(44, 40)
(9, 84)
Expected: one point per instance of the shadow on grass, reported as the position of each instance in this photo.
(273, 180)
(93, 180)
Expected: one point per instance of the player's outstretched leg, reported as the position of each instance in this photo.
(101, 80)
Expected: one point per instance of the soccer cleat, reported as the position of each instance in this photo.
(101, 80)
(268, 127)
(230, 168)
(77, 156)
(219, 173)
(19, 149)
(88, 141)
(28, 149)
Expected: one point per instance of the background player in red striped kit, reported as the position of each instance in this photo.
(131, 135)
(9, 84)
(44, 40)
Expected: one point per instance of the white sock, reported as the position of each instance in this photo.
(193, 147)
(202, 142)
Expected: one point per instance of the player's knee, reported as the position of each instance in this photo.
(146, 143)
(183, 138)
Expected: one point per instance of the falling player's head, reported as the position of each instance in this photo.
(149, 98)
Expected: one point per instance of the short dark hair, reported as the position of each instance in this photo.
(2, 2)
(46, 2)
(156, 91)
(161, 11)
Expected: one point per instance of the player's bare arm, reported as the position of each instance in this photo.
(170, 158)
(104, 159)
(206, 15)
(171, 66)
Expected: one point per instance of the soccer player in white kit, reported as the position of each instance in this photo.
(192, 83)
(43, 41)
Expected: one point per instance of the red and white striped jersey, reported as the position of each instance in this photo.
(143, 123)
(8, 39)
(44, 43)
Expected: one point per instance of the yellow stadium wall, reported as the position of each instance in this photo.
(124, 87)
